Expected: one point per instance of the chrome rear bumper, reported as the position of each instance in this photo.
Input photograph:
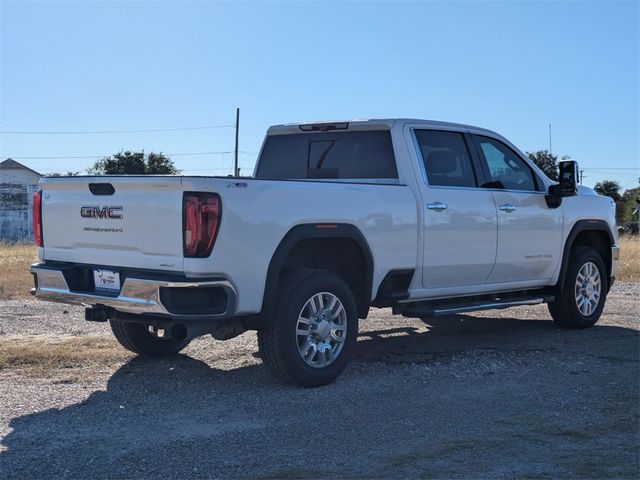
(137, 295)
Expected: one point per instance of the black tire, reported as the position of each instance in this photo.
(278, 344)
(136, 338)
(564, 310)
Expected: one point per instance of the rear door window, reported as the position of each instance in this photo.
(353, 155)
(446, 158)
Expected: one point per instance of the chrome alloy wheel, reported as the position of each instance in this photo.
(588, 289)
(321, 329)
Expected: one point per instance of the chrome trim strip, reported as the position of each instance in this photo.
(137, 295)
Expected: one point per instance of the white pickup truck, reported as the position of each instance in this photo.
(428, 218)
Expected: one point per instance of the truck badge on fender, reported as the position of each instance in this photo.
(98, 212)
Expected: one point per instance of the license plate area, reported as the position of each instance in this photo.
(107, 281)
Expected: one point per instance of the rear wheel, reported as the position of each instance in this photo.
(314, 329)
(580, 299)
(145, 339)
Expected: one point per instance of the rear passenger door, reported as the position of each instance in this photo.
(459, 217)
(529, 232)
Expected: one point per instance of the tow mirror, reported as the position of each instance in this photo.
(567, 186)
(569, 178)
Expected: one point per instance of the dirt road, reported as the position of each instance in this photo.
(498, 394)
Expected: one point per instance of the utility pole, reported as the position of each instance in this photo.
(236, 170)
(550, 151)
(581, 175)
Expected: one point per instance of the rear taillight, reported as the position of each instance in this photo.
(37, 218)
(200, 222)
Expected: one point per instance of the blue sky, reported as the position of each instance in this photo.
(513, 67)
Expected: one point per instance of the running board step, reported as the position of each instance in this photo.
(423, 309)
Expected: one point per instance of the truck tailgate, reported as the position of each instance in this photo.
(139, 225)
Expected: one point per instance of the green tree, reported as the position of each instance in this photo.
(159, 164)
(134, 163)
(627, 205)
(608, 188)
(611, 189)
(547, 162)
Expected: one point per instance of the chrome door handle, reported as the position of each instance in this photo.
(507, 207)
(438, 206)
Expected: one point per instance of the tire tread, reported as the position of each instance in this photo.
(134, 338)
(270, 340)
(562, 309)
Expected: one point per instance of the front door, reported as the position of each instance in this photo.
(460, 224)
(529, 232)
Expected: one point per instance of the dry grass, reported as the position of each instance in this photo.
(15, 279)
(629, 270)
(72, 357)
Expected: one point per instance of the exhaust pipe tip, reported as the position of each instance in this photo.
(179, 332)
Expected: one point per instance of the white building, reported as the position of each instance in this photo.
(17, 186)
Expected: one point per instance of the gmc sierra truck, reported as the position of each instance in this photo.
(428, 218)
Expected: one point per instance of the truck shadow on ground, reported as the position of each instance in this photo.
(150, 406)
(442, 337)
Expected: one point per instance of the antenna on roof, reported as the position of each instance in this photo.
(236, 170)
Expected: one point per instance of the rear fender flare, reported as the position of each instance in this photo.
(315, 230)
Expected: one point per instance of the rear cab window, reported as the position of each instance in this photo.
(446, 158)
(328, 155)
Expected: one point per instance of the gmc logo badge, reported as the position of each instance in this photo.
(104, 212)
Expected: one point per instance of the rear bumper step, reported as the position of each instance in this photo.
(210, 299)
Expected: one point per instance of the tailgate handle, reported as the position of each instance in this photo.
(102, 188)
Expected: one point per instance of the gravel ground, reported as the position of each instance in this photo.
(497, 394)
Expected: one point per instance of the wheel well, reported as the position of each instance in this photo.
(340, 248)
(590, 233)
(599, 240)
(340, 255)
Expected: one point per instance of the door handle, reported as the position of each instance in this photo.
(507, 207)
(438, 206)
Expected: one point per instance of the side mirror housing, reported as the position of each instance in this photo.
(567, 186)
(569, 178)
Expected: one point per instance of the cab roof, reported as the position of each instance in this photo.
(365, 124)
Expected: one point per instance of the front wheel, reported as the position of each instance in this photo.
(580, 299)
(314, 330)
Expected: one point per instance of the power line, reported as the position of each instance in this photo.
(220, 169)
(91, 132)
(75, 157)
(227, 169)
(623, 174)
(612, 168)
